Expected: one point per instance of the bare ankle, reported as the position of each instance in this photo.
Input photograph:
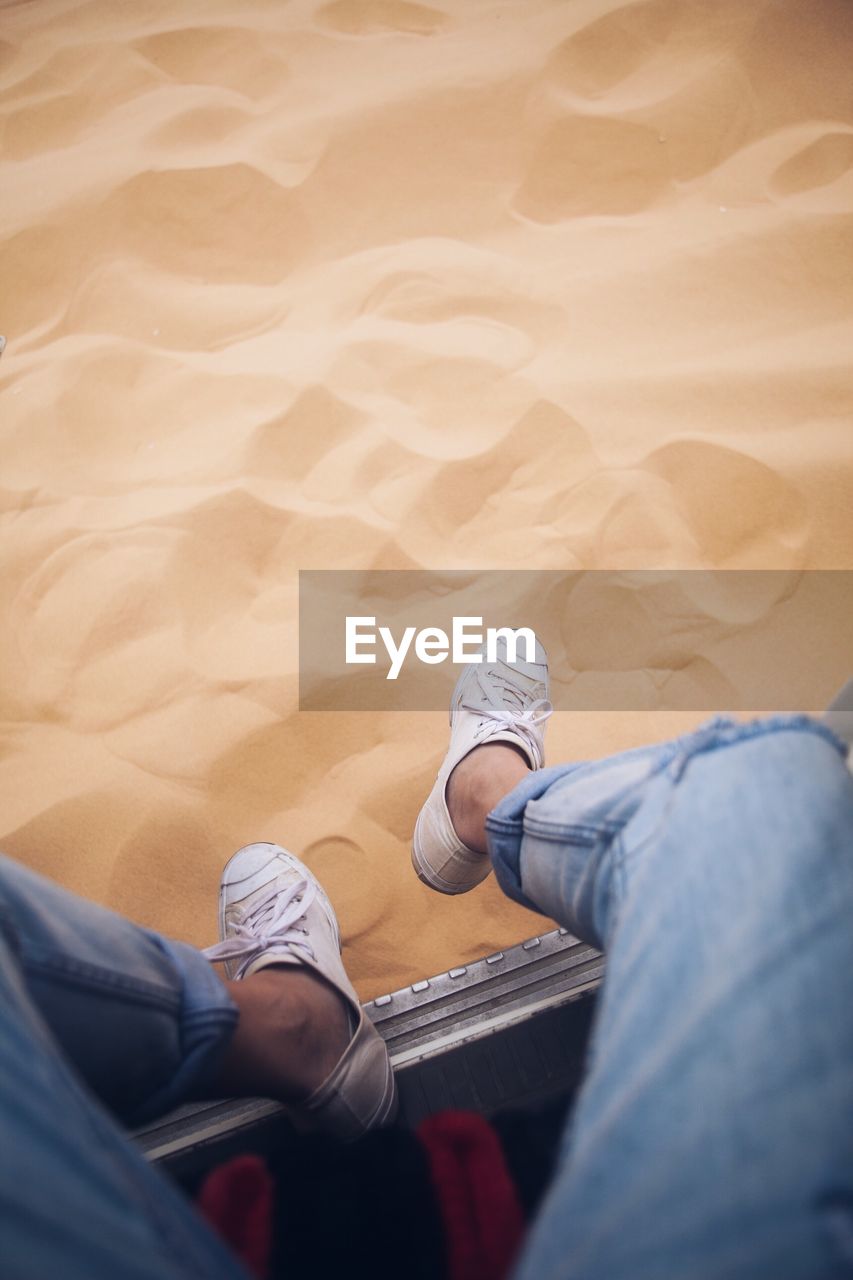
(293, 1029)
(477, 784)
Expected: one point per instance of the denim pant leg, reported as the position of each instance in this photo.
(77, 1201)
(713, 1136)
(141, 1018)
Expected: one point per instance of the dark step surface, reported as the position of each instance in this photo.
(508, 1030)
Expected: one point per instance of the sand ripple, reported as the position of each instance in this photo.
(372, 282)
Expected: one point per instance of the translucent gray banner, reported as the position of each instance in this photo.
(674, 640)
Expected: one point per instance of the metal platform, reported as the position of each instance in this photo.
(507, 1029)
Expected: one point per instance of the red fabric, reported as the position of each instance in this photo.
(483, 1218)
(237, 1200)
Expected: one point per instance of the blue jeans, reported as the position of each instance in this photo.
(97, 1013)
(713, 1135)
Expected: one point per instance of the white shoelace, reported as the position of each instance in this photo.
(273, 921)
(509, 708)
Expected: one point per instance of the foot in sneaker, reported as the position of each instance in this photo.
(493, 702)
(273, 912)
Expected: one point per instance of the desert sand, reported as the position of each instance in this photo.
(369, 283)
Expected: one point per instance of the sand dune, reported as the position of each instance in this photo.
(485, 283)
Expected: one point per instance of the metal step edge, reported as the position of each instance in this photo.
(426, 1009)
(418, 1022)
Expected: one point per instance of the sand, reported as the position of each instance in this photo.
(481, 284)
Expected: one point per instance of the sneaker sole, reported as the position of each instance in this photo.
(431, 878)
(385, 1113)
(421, 867)
(389, 1106)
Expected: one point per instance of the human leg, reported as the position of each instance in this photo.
(76, 1199)
(278, 931)
(477, 785)
(92, 1004)
(498, 712)
(148, 1023)
(714, 1133)
(142, 1019)
(292, 1030)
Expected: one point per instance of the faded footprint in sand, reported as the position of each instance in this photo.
(91, 606)
(372, 17)
(318, 419)
(345, 871)
(822, 162)
(593, 166)
(232, 58)
(67, 97)
(608, 50)
(734, 505)
(175, 218)
(200, 127)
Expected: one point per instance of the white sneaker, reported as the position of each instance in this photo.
(272, 910)
(492, 702)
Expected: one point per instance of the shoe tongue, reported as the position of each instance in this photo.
(527, 674)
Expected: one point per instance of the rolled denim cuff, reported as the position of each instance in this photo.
(206, 1023)
(505, 829)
